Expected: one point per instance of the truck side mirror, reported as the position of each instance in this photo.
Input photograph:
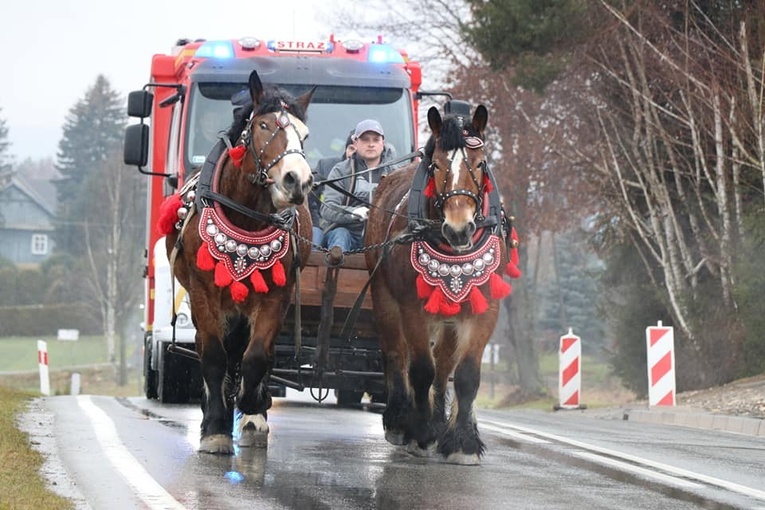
(139, 103)
(136, 149)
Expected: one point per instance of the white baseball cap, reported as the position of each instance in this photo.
(368, 125)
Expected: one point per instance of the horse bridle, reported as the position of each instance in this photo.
(441, 198)
(260, 177)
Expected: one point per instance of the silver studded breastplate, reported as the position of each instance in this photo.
(241, 252)
(456, 275)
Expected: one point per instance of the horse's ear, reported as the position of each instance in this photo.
(256, 87)
(434, 120)
(480, 118)
(305, 98)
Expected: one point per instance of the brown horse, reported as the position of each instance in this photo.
(436, 286)
(233, 248)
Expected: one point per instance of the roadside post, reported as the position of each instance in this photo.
(569, 372)
(660, 345)
(42, 362)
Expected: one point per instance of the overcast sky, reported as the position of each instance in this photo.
(55, 49)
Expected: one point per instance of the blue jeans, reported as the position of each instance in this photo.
(344, 238)
(318, 237)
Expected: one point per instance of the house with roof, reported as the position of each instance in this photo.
(27, 215)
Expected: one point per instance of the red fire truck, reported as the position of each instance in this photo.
(190, 90)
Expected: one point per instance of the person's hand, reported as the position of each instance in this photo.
(361, 213)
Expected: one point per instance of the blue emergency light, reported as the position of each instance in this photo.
(215, 49)
(383, 54)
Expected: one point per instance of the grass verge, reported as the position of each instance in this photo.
(22, 485)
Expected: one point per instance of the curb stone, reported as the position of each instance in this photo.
(699, 420)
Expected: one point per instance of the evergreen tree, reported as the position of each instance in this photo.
(5, 157)
(534, 37)
(572, 299)
(92, 130)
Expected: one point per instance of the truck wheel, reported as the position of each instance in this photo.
(348, 398)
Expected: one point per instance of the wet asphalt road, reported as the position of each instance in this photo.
(133, 453)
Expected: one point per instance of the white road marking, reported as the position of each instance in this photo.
(517, 435)
(145, 487)
(683, 473)
(631, 468)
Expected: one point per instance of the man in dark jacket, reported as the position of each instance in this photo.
(323, 167)
(343, 217)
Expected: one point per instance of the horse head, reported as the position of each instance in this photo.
(457, 163)
(274, 137)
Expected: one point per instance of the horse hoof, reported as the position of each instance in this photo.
(396, 438)
(414, 449)
(253, 430)
(463, 459)
(217, 443)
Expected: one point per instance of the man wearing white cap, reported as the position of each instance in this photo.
(343, 217)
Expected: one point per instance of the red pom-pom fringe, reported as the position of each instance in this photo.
(498, 287)
(430, 189)
(424, 290)
(449, 307)
(237, 155)
(477, 301)
(222, 277)
(239, 291)
(278, 275)
(512, 270)
(258, 283)
(205, 260)
(168, 214)
(434, 302)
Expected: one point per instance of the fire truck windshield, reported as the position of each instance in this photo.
(333, 113)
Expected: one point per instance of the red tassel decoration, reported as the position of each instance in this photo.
(424, 290)
(434, 302)
(222, 277)
(278, 275)
(430, 189)
(237, 155)
(512, 270)
(258, 283)
(514, 251)
(205, 260)
(449, 308)
(477, 301)
(487, 185)
(239, 291)
(168, 214)
(498, 287)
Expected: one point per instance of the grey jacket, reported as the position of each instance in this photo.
(336, 207)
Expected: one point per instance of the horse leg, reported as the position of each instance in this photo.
(444, 354)
(393, 346)
(254, 397)
(460, 442)
(217, 419)
(421, 428)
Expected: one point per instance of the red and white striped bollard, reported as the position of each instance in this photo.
(569, 372)
(42, 362)
(660, 345)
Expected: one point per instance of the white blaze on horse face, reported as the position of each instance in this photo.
(460, 209)
(293, 163)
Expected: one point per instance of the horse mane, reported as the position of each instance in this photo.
(272, 101)
(452, 135)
